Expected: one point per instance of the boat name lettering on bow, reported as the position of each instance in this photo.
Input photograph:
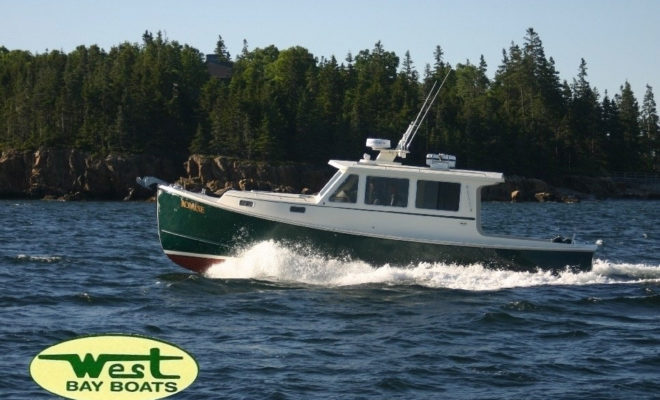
(198, 208)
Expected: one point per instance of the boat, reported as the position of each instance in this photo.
(377, 210)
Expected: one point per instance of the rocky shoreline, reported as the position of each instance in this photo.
(570, 189)
(67, 174)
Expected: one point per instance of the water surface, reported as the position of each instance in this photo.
(289, 324)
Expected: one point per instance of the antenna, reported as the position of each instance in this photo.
(409, 135)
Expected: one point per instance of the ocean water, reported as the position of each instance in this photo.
(282, 323)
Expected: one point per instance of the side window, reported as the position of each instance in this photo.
(438, 195)
(386, 191)
(347, 191)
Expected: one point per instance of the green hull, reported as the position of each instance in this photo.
(197, 235)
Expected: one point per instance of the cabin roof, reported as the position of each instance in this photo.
(398, 169)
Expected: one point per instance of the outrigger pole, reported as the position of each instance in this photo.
(409, 135)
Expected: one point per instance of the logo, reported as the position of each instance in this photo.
(105, 367)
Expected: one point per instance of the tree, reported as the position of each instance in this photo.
(290, 78)
(629, 117)
(371, 97)
(221, 50)
(437, 57)
(329, 104)
(650, 131)
(584, 116)
(472, 119)
(156, 96)
(405, 95)
(613, 135)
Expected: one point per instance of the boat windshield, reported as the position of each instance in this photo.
(330, 183)
(347, 191)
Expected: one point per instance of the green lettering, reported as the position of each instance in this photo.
(84, 386)
(154, 366)
(131, 386)
(89, 366)
(146, 387)
(115, 371)
(138, 371)
(93, 367)
(115, 386)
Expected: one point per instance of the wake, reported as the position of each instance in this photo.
(272, 262)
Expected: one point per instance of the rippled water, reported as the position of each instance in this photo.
(287, 324)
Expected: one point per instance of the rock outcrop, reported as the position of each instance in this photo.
(76, 175)
(218, 174)
(570, 189)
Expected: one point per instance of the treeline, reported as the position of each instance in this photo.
(136, 98)
(158, 97)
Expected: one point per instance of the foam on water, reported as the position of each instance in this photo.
(273, 262)
(35, 258)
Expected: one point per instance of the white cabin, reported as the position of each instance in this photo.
(381, 199)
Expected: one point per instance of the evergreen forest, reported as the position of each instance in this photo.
(158, 97)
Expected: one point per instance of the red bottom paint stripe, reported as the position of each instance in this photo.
(197, 264)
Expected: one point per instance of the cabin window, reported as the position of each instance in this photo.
(438, 195)
(347, 191)
(386, 191)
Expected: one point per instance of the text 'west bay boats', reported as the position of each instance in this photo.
(378, 211)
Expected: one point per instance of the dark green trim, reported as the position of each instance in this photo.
(389, 211)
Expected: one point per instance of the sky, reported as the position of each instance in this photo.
(619, 39)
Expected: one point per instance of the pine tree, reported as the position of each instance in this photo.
(650, 131)
(221, 50)
(438, 53)
(244, 51)
(629, 117)
(612, 135)
(584, 115)
(329, 110)
(200, 142)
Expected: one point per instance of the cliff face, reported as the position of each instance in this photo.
(218, 174)
(76, 175)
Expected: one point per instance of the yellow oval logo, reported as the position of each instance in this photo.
(106, 367)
